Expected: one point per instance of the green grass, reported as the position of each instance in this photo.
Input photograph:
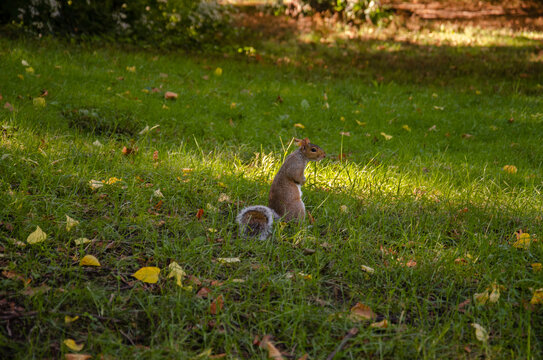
(432, 195)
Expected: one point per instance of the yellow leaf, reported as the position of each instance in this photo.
(344, 133)
(72, 345)
(177, 272)
(131, 68)
(511, 169)
(39, 101)
(228, 260)
(406, 128)
(81, 241)
(89, 260)
(537, 298)
(481, 298)
(112, 180)
(387, 137)
(69, 319)
(344, 209)
(37, 236)
(298, 125)
(70, 223)
(29, 70)
(536, 267)
(361, 312)
(367, 269)
(523, 241)
(361, 123)
(20, 76)
(148, 274)
(218, 71)
(480, 332)
(495, 294)
(381, 324)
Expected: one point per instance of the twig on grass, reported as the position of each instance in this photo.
(351, 333)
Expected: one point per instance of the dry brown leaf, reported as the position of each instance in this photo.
(29, 291)
(361, 312)
(203, 292)
(217, 305)
(273, 352)
(380, 325)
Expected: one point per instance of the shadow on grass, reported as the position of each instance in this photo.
(395, 54)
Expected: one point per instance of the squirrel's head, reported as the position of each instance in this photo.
(311, 151)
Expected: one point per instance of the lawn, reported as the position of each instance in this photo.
(430, 194)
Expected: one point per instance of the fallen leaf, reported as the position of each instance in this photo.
(89, 260)
(480, 332)
(406, 128)
(131, 68)
(511, 169)
(218, 71)
(29, 70)
(37, 236)
(217, 305)
(177, 272)
(77, 356)
(158, 193)
(97, 143)
(70, 223)
(169, 95)
(112, 180)
(361, 312)
(495, 294)
(367, 269)
(536, 267)
(432, 128)
(467, 136)
(463, 304)
(203, 292)
(39, 102)
(31, 291)
(523, 241)
(25, 63)
(411, 263)
(129, 150)
(304, 104)
(298, 125)
(273, 352)
(537, 298)
(95, 184)
(224, 198)
(82, 241)
(380, 325)
(13, 275)
(228, 260)
(361, 123)
(481, 298)
(72, 345)
(199, 214)
(343, 133)
(68, 319)
(387, 137)
(147, 274)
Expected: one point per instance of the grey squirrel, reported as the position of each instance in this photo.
(285, 200)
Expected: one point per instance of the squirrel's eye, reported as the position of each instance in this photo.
(313, 150)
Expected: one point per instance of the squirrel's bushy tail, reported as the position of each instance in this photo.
(256, 221)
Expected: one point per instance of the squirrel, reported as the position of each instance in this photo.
(285, 200)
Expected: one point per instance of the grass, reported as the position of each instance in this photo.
(434, 194)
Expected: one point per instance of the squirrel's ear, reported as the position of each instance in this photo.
(298, 142)
(305, 142)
